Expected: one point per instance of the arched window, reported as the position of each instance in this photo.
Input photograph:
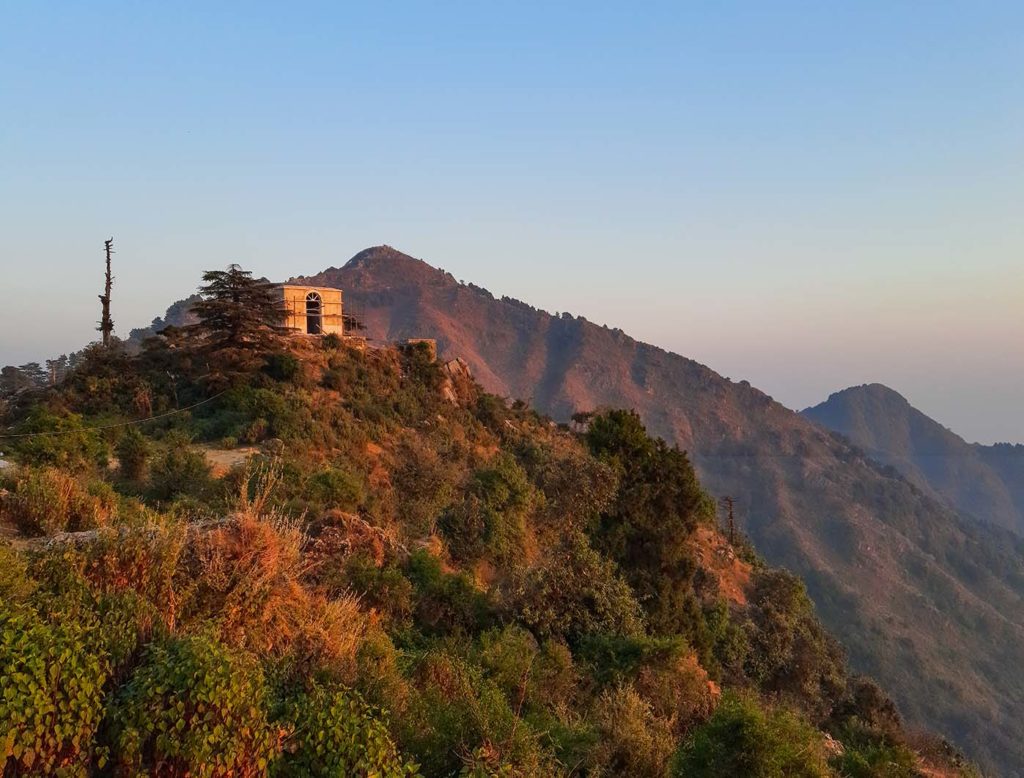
(314, 314)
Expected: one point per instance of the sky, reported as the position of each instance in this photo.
(804, 195)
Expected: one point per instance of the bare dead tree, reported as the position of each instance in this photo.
(728, 503)
(106, 323)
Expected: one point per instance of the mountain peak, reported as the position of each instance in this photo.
(376, 254)
(379, 267)
(874, 391)
(882, 422)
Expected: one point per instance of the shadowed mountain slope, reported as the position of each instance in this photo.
(889, 566)
(986, 482)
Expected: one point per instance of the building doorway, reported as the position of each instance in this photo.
(314, 314)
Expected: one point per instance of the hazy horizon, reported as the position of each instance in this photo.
(804, 197)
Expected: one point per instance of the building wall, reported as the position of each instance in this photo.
(294, 298)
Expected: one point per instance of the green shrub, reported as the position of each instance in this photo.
(383, 588)
(380, 678)
(337, 489)
(334, 379)
(330, 342)
(424, 486)
(633, 740)
(195, 707)
(572, 593)
(74, 446)
(281, 366)
(576, 486)
(614, 657)
(866, 754)
(133, 453)
(646, 530)
(456, 710)
(334, 733)
(52, 677)
(492, 518)
(128, 621)
(491, 411)
(743, 738)
(791, 653)
(446, 602)
(868, 704)
(179, 471)
(15, 582)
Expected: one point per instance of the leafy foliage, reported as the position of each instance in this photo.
(791, 654)
(576, 592)
(196, 707)
(657, 507)
(51, 705)
(744, 738)
(333, 732)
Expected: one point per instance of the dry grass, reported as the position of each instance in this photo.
(253, 574)
(47, 500)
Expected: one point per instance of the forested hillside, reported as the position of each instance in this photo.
(351, 561)
(888, 566)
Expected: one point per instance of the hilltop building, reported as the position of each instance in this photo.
(313, 310)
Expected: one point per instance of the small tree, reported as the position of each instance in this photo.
(240, 323)
(646, 528)
(133, 452)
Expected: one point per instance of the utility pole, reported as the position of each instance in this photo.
(106, 323)
(731, 519)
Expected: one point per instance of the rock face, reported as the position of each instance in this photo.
(458, 388)
(986, 482)
(888, 565)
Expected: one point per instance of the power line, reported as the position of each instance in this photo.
(51, 433)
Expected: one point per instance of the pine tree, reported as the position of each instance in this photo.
(240, 324)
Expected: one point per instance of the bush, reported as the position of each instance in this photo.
(179, 471)
(133, 453)
(424, 486)
(246, 577)
(52, 677)
(337, 489)
(142, 559)
(383, 588)
(47, 500)
(334, 733)
(678, 691)
(572, 593)
(194, 707)
(633, 740)
(74, 446)
(281, 367)
(647, 528)
(492, 519)
(866, 754)
(791, 654)
(457, 714)
(15, 582)
(576, 486)
(446, 602)
(742, 738)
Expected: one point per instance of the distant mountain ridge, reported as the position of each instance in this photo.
(888, 565)
(986, 482)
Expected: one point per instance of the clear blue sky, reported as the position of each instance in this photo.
(806, 195)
